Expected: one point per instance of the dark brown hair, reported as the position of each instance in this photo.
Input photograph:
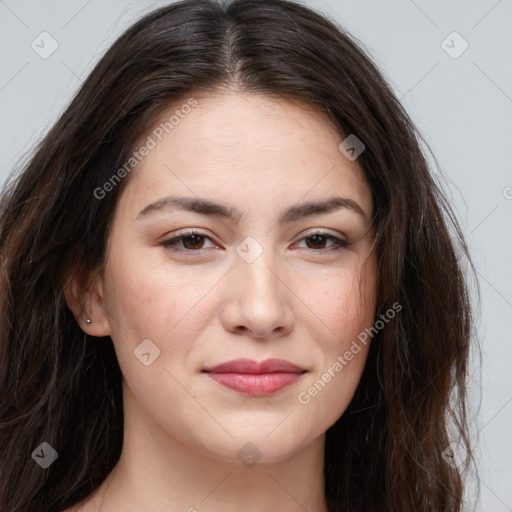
(59, 385)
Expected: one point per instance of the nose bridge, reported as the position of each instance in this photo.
(257, 290)
(257, 266)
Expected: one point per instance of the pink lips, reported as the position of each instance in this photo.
(253, 378)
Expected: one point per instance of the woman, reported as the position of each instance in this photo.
(230, 282)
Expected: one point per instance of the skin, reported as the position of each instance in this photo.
(182, 429)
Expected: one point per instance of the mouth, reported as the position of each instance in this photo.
(255, 378)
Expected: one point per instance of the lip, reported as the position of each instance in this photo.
(250, 366)
(255, 378)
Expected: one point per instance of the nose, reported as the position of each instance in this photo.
(259, 299)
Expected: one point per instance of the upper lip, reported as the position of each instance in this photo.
(250, 366)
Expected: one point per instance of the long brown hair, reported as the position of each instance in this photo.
(61, 386)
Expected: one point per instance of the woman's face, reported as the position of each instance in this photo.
(255, 285)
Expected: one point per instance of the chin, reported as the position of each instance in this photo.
(252, 444)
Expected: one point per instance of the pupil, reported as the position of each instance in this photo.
(318, 239)
(196, 237)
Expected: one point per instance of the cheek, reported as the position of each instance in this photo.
(347, 313)
(345, 303)
(347, 308)
(325, 396)
(159, 301)
(145, 297)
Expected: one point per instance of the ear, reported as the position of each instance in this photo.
(84, 297)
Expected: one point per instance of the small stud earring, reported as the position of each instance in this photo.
(88, 321)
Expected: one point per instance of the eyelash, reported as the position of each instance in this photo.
(171, 242)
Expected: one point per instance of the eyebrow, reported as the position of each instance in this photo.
(211, 208)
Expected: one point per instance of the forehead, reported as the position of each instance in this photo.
(248, 148)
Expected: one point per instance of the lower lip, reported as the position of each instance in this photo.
(256, 384)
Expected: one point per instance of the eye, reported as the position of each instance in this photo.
(193, 241)
(318, 240)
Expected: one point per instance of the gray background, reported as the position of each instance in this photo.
(461, 105)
